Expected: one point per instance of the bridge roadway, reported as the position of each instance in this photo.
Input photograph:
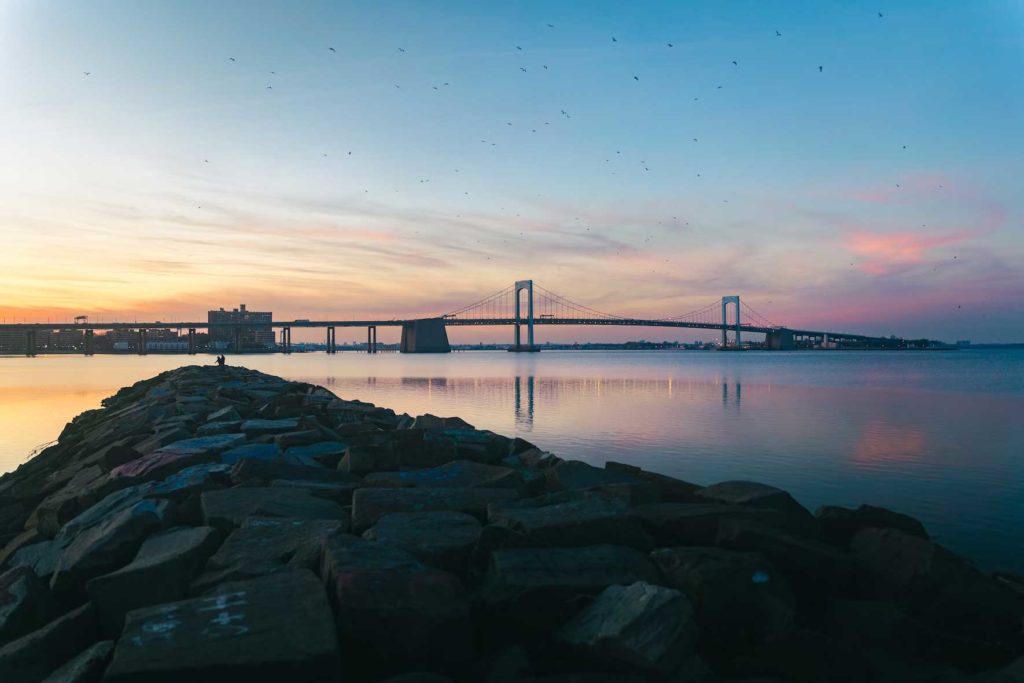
(394, 322)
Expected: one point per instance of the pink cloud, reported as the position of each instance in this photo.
(882, 253)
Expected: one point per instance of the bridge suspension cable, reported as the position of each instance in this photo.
(752, 316)
(550, 304)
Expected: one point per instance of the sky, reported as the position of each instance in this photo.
(849, 166)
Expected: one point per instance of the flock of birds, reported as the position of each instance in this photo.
(563, 113)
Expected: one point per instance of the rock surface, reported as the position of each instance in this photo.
(213, 524)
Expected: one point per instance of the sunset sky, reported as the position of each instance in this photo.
(222, 152)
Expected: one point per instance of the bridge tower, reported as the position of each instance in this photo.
(518, 346)
(726, 300)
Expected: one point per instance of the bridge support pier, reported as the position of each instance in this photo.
(425, 336)
(191, 341)
(780, 340)
(30, 343)
(735, 301)
(518, 345)
(286, 339)
(142, 342)
(332, 343)
(371, 339)
(87, 343)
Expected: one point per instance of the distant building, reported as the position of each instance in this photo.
(256, 335)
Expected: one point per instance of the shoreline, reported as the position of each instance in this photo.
(423, 544)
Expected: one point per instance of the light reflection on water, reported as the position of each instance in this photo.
(935, 435)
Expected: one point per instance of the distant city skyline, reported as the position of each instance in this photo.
(836, 168)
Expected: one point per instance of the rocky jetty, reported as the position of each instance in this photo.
(220, 524)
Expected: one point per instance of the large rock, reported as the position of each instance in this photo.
(25, 603)
(839, 524)
(261, 427)
(42, 557)
(103, 509)
(370, 504)
(227, 508)
(86, 667)
(535, 588)
(696, 524)
(33, 656)
(251, 451)
(327, 453)
(443, 538)
(590, 521)
(455, 474)
(639, 627)
(761, 496)
(390, 606)
(108, 545)
(161, 572)
(740, 600)
(277, 627)
(938, 586)
(670, 489)
(810, 566)
(261, 472)
(338, 492)
(574, 474)
(264, 545)
(428, 421)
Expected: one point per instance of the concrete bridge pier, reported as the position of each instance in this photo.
(142, 342)
(780, 340)
(30, 343)
(425, 336)
(371, 339)
(332, 340)
(191, 341)
(735, 301)
(88, 343)
(286, 339)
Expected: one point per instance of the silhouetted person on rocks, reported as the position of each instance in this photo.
(220, 361)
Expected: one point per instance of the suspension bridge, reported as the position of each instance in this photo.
(521, 305)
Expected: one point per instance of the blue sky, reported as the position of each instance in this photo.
(879, 194)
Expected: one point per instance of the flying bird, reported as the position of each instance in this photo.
(669, 44)
(87, 73)
(614, 39)
(636, 78)
(401, 49)
(332, 49)
(523, 69)
(880, 15)
(269, 87)
(735, 63)
(518, 48)
(551, 25)
(820, 68)
(545, 67)
(777, 34)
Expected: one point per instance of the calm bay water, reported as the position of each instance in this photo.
(936, 435)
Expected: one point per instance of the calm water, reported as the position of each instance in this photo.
(937, 435)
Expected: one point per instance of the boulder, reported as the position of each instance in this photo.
(216, 428)
(339, 492)
(442, 538)
(590, 521)
(162, 438)
(261, 427)
(741, 602)
(42, 557)
(372, 457)
(190, 482)
(161, 572)
(104, 508)
(810, 566)
(640, 627)
(537, 588)
(574, 474)
(300, 438)
(227, 508)
(26, 537)
(253, 451)
(455, 474)
(109, 544)
(226, 414)
(277, 627)
(392, 608)
(939, 587)
(32, 657)
(327, 453)
(761, 496)
(25, 603)
(370, 504)
(696, 524)
(428, 421)
(264, 545)
(669, 489)
(838, 524)
(265, 471)
(86, 667)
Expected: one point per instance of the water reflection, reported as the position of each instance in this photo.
(524, 420)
